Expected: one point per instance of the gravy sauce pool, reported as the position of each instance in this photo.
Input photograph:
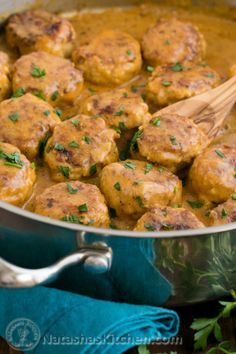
(220, 35)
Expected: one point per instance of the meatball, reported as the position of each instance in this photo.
(79, 147)
(75, 202)
(171, 41)
(168, 219)
(111, 58)
(170, 140)
(119, 108)
(17, 175)
(131, 187)
(49, 77)
(213, 173)
(37, 30)
(169, 84)
(26, 122)
(224, 213)
(5, 85)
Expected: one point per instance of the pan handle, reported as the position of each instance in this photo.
(96, 258)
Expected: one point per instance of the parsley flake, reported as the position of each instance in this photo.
(195, 204)
(73, 144)
(83, 207)
(58, 111)
(148, 167)
(166, 83)
(150, 69)
(117, 186)
(14, 116)
(149, 227)
(40, 94)
(224, 213)
(220, 154)
(139, 202)
(130, 165)
(59, 147)
(75, 122)
(86, 139)
(177, 67)
(47, 113)
(19, 92)
(173, 140)
(55, 95)
(64, 170)
(156, 121)
(93, 170)
(71, 190)
(37, 72)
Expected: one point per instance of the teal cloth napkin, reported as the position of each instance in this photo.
(45, 321)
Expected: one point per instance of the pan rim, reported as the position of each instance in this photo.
(110, 232)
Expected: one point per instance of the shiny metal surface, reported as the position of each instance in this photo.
(175, 268)
(96, 258)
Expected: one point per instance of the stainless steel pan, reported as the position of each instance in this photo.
(174, 268)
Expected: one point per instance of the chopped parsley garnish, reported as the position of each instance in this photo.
(129, 52)
(55, 95)
(58, 111)
(125, 94)
(120, 112)
(19, 92)
(147, 168)
(209, 75)
(173, 140)
(166, 83)
(177, 67)
(156, 121)
(33, 166)
(139, 201)
(47, 113)
(167, 42)
(92, 90)
(207, 213)
(71, 190)
(40, 94)
(73, 144)
(75, 122)
(150, 69)
(93, 170)
(122, 126)
(130, 165)
(144, 96)
(72, 218)
(195, 204)
(12, 159)
(14, 116)
(167, 227)
(113, 226)
(133, 143)
(149, 227)
(220, 154)
(65, 170)
(86, 139)
(233, 196)
(160, 169)
(224, 213)
(134, 88)
(117, 186)
(37, 72)
(59, 147)
(83, 207)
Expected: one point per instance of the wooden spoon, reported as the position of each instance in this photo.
(208, 109)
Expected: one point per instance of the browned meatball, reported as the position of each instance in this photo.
(26, 122)
(213, 173)
(79, 147)
(169, 84)
(48, 77)
(112, 57)
(172, 41)
(75, 202)
(5, 85)
(225, 213)
(168, 219)
(170, 140)
(17, 175)
(36, 30)
(131, 187)
(119, 108)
